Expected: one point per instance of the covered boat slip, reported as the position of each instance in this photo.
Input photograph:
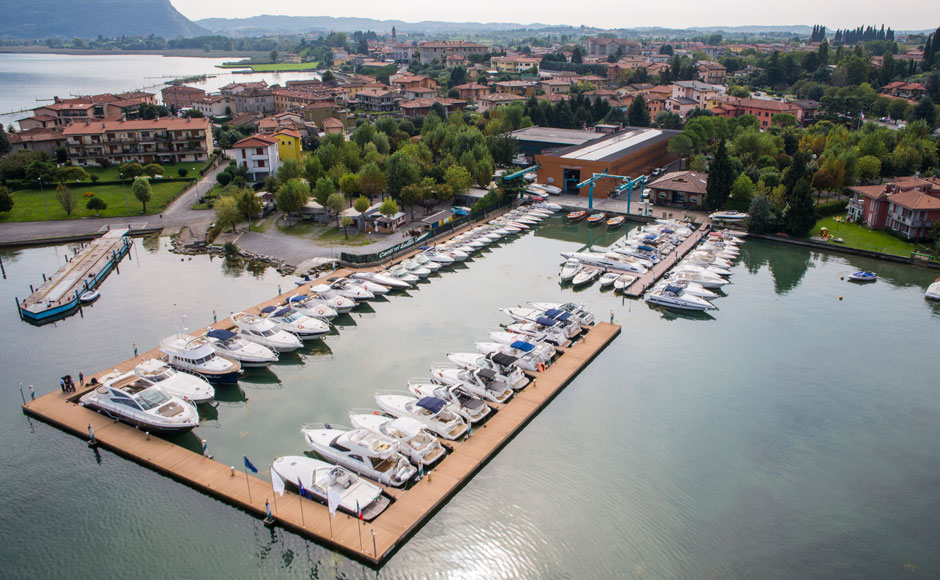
(641, 284)
(85, 271)
(411, 508)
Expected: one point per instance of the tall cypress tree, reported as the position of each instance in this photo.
(638, 113)
(802, 215)
(720, 178)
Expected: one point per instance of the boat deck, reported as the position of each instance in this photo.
(646, 281)
(60, 288)
(411, 508)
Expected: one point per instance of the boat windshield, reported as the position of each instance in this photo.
(150, 398)
(293, 316)
(162, 376)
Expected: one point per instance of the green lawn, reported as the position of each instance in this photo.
(857, 236)
(270, 67)
(113, 174)
(28, 204)
(326, 233)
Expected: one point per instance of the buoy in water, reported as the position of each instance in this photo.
(840, 298)
(841, 277)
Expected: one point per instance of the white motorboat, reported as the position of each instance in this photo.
(863, 276)
(456, 254)
(383, 279)
(933, 291)
(621, 264)
(545, 331)
(402, 273)
(564, 320)
(302, 326)
(623, 281)
(525, 358)
(543, 350)
(675, 297)
(141, 403)
(319, 478)
(439, 257)
(342, 287)
(331, 298)
(727, 216)
(426, 262)
(502, 364)
(690, 288)
(374, 287)
(483, 383)
(416, 268)
(586, 275)
(249, 354)
(690, 262)
(552, 207)
(549, 189)
(703, 258)
(414, 441)
(640, 251)
(311, 306)
(89, 296)
(578, 312)
(196, 356)
(608, 279)
(570, 269)
(700, 276)
(431, 412)
(183, 385)
(361, 451)
(469, 406)
(265, 333)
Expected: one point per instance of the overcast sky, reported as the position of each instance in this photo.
(602, 13)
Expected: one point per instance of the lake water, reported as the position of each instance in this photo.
(31, 80)
(790, 435)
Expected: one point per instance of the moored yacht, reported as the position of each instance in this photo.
(300, 325)
(319, 478)
(675, 297)
(383, 279)
(311, 306)
(196, 356)
(265, 332)
(502, 364)
(431, 412)
(362, 451)
(483, 383)
(249, 354)
(414, 441)
(141, 403)
(462, 401)
(183, 385)
(577, 311)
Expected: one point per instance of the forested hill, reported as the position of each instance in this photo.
(91, 18)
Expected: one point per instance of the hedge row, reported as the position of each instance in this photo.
(831, 208)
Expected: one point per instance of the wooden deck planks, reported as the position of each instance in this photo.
(646, 281)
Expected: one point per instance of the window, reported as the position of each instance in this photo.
(244, 154)
(261, 163)
(259, 151)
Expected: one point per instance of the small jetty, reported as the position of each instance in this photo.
(641, 284)
(58, 296)
(369, 542)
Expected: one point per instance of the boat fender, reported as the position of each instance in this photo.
(542, 365)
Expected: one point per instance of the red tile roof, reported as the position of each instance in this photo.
(254, 141)
(163, 123)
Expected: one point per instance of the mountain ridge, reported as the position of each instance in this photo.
(91, 18)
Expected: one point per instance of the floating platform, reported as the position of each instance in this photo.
(646, 281)
(58, 296)
(372, 543)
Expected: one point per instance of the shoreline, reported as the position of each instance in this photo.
(182, 52)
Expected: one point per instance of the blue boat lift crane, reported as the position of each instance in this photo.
(628, 185)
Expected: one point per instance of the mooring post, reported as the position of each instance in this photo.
(2, 270)
(22, 396)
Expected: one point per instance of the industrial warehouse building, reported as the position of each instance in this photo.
(632, 152)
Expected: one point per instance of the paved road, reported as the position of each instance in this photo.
(178, 214)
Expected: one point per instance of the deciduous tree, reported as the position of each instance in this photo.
(142, 191)
(226, 212)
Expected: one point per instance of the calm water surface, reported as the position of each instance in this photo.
(788, 435)
(27, 78)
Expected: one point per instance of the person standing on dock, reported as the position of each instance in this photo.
(62, 384)
(81, 379)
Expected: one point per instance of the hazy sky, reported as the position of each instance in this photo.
(916, 14)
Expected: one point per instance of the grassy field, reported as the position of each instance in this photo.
(275, 67)
(325, 233)
(29, 204)
(860, 237)
(113, 174)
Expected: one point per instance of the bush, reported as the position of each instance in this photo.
(95, 177)
(154, 169)
(831, 208)
(230, 249)
(131, 170)
(182, 171)
(224, 178)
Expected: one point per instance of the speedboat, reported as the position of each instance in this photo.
(616, 221)
(525, 358)
(319, 478)
(469, 406)
(265, 333)
(564, 320)
(545, 351)
(863, 276)
(431, 412)
(342, 287)
(416, 268)
(596, 218)
(549, 189)
(577, 311)
(639, 251)
(414, 441)
(691, 288)
(374, 287)
(402, 273)
(570, 269)
(575, 216)
(933, 291)
(331, 298)
(384, 280)
(141, 403)
(502, 364)
(183, 385)
(300, 325)
(426, 262)
(700, 276)
(545, 330)
(728, 216)
(586, 275)
(483, 383)
(439, 257)
(249, 354)
(552, 207)
(623, 281)
(609, 278)
(692, 262)
(362, 451)
(609, 260)
(674, 297)
(196, 356)
(311, 306)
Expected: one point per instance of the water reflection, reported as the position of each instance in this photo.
(230, 395)
(259, 378)
(151, 243)
(672, 315)
(787, 268)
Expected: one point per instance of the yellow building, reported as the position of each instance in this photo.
(288, 144)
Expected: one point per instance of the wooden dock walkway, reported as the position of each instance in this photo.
(641, 284)
(379, 538)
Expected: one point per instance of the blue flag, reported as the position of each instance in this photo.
(249, 465)
(303, 491)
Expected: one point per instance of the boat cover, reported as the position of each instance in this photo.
(282, 312)
(487, 374)
(553, 312)
(296, 297)
(503, 359)
(544, 321)
(673, 289)
(523, 346)
(668, 231)
(646, 248)
(432, 404)
(221, 334)
(268, 309)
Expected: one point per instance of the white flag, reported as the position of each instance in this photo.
(332, 499)
(277, 483)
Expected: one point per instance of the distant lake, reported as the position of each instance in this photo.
(28, 77)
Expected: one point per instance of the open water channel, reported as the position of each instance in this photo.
(790, 434)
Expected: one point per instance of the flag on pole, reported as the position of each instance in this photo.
(332, 499)
(277, 483)
(358, 510)
(302, 490)
(249, 464)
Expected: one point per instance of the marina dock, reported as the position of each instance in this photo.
(641, 284)
(380, 538)
(58, 296)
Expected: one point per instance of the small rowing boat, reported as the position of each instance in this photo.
(616, 221)
(576, 216)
